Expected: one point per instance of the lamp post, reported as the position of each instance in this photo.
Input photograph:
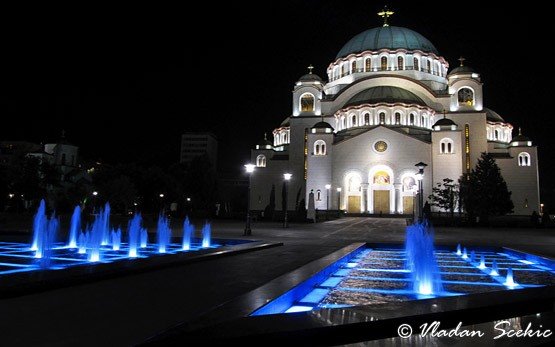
(328, 187)
(250, 169)
(339, 200)
(286, 177)
(420, 177)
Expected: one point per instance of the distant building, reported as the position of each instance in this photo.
(13, 149)
(195, 145)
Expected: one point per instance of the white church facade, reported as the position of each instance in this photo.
(390, 101)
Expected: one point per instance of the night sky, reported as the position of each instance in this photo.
(97, 71)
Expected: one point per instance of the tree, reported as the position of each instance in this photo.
(445, 195)
(484, 192)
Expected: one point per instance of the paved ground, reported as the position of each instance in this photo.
(130, 309)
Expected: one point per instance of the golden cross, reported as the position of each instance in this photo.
(461, 59)
(310, 67)
(385, 14)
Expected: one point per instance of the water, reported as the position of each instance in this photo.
(82, 242)
(206, 235)
(116, 239)
(465, 254)
(494, 270)
(482, 262)
(509, 281)
(164, 233)
(75, 227)
(96, 238)
(144, 238)
(421, 262)
(133, 231)
(105, 224)
(39, 224)
(47, 242)
(188, 231)
(472, 256)
(459, 249)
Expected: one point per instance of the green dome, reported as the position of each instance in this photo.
(386, 37)
(390, 95)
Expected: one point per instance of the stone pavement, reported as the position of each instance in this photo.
(129, 309)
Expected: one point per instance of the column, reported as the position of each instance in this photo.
(398, 202)
(364, 187)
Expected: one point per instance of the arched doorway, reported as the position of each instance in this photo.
(381, 179)
(353, 192)
(408, 191)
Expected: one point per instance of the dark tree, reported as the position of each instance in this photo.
(269, 210)
(445, 195)
(283, 197)
(484, 192)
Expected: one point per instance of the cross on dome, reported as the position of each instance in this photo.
(461, 59)
(385, 14)
(310, 67)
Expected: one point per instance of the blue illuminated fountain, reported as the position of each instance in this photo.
(144, 238)
(47, 242)
(82, 242)
(75, 227)
(116, 239)
(39, 224)
(421, 261)
(206, 235)
(188, 230)
(96, 238)
(133, 234)
(164, 233)
(105, 224)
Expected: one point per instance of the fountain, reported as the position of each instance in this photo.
(46, 243)
(96, 237)
(82, 243)
(421, 262)
(116, 239)
(509, 281)
(144, 238)
(482, 262)
(105, 224)
(75, 227)
(472, 256)
(494, 271)
(133, 232)
(206, 235)
(39, 224)
(188, 230)
(459, 249)
(465, 254)
(164, 233)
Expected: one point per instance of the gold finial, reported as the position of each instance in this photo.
(265, 137)
(385, 14)
(444, 115)
(310, 67)
(461, 59)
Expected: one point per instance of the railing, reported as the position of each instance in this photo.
(381, 69)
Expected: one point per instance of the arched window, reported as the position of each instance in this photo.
(382, 117)
(384, 63)
(368, 64)
(367, 118)
(354, 66)
(411, 119)
(354, 121)
(496, 137)
(446, 146)
(400, 63)
(342, 70)
(307, 103)
(397, 118)
(343, 123)
(261, 161)
(429, 65)
(466, 96)
(354, 182)
(416, 63)
(319, 147)
(524, 159)
(318, 195)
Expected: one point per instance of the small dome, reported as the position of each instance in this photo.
(310, 77)
(265, 142)
(285, 122)
(493, 116)
(520, 137)
(444, 122)
(389, 37)
(461, 70)
(322, 125)
(386, 94)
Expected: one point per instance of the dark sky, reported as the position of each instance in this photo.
(98, 71)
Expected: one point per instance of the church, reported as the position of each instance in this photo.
(390, 101)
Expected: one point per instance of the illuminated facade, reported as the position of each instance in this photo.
(389, 103)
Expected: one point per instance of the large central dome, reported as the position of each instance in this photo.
(386, 94)
(387, 37)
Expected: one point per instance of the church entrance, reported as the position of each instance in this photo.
(408, 204)
(353, 205)
(381, 201)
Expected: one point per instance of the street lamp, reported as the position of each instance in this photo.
(95, 193)
(250, 169)
(339, 199)
(286, 177)
(420, 177)
(328, 187)
(161, 195)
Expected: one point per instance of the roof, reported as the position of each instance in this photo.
(493, 116)
(462, 69)
(390, 37)
(444, 122)
(322, 125)
(385, 94)
(310, 77)
(285, 122)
